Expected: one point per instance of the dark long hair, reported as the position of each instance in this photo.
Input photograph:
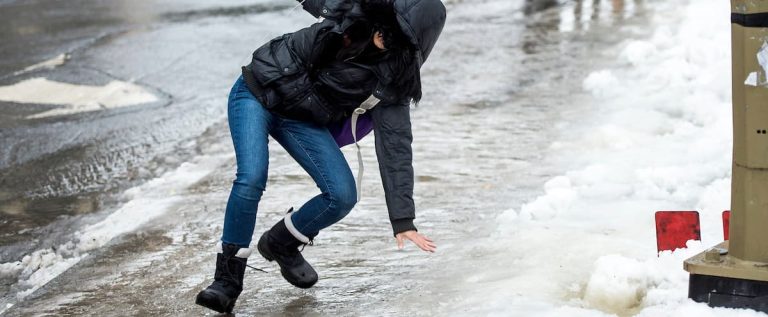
(403, 64)
(358, 37)
(406, 72)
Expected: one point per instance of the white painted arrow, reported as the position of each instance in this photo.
(74, 98)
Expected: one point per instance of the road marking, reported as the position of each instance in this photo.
(49, 64)
(74, 98)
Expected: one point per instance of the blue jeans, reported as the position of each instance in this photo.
(312, 146)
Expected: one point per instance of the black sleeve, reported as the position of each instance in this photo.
(392, 127)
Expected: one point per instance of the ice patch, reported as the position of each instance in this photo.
(74, 98)
(146, 202)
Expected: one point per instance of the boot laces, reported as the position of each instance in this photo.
(255, 268)
(227, 273)
(246, 264)
(311, 243)
(228, 276)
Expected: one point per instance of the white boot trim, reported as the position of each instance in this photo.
(296, 234)
(242, 253)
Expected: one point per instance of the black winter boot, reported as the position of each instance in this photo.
(278, 244)
(228, 279)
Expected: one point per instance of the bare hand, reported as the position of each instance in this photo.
(418, 239)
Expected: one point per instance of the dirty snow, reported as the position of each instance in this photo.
(659, 138)
(143, 204)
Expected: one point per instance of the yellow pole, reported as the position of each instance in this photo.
(735, 273)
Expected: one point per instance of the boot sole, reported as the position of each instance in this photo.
(212, 302)
(264, 251)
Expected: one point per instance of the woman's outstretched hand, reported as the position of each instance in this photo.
(418, 239)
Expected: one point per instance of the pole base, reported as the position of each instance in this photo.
(718, 291)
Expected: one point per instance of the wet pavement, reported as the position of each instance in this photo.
(186, 55)
(503, 74)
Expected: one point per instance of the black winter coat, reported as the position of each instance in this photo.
(283, 77)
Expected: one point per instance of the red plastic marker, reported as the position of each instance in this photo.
(675, 228)
(726, 224)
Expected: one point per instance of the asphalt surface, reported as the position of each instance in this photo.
(185, 52)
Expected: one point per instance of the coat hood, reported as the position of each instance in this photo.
(421, 21)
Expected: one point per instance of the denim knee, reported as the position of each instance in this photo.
(343, 198)
(249, 185)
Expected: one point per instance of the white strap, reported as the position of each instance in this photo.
(368, 104)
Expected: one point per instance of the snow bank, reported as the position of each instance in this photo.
(75, 98)
(618, 284)
(658, 137)
(144, 203)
